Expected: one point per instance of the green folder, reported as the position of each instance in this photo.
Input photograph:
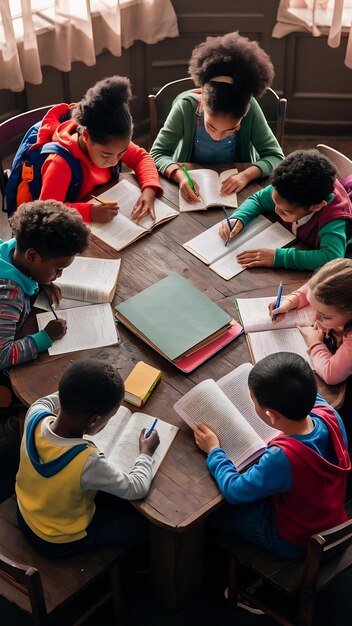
(173, 315)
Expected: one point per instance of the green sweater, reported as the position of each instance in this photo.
(332, 236)
(174, 143)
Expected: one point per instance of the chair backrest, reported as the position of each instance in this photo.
(160, 103)
(274, 108)
(11, 134)
(342, 163)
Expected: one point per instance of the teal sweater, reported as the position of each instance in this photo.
(16, 290)
(332, 236)
(174, 143)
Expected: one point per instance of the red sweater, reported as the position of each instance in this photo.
(315, 501)
(56, 173)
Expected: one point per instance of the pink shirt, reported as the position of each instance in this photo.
(332, 368)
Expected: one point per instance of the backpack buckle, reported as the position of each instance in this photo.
(27, 173)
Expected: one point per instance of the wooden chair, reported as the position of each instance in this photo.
(342, 163)
(11, 134)
(274, 108)
(43, 586)
(329, 553)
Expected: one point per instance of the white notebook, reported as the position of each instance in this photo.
(259, 233)
(86, 281)
(209, 183)
(122, 231)
(87, 327)
(264, 337)
(119, 440)
(226, 407)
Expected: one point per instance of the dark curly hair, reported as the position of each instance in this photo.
(50, 227)
(90, 387)
(104, 109)
(237, 57)
(290, 372)
(304, 178)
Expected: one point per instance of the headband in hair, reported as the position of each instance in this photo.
(223, 79)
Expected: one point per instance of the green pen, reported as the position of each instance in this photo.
(191, 183)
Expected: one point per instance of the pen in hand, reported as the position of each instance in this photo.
(150, 430)
(278, 300)
(106, 202)
(52, 308)
(191, 183)
(229, 225)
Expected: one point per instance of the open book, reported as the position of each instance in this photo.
(209, 189)
(87, 327)
(264, 337)
(122, 231)
(225, 406)
(85, 281)
(119, 440)
(259, 233)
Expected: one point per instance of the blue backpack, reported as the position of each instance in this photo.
(25, 181)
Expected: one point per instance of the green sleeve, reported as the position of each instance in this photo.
(332, 239)
(260, 202)
(174, 136)
(257, 142)
(42, 340)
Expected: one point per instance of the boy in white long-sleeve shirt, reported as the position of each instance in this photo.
(61, 471)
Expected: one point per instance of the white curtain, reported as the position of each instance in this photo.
(318, 17)
(58, 32)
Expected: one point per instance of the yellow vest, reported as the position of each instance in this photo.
(55, 508)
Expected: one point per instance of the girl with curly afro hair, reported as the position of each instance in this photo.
(97, 131)
(220, 121)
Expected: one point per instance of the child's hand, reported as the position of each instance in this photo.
(224, 230)
(149, 445)
(103, 213)
(144, 205)
(56, 329)
(52, 292)
(188, 194)
(256, 258)
(283, 309)
(312, 335)
(205, 438)
(236, 183)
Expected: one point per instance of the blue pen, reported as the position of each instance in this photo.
(229, 224)
(149, 432)
(278, 300)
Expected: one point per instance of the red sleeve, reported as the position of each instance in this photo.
(56, 178)
(140, 161)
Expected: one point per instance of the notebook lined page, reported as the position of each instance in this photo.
(254, 314)
(275, 236)
(272, 341)
(106, 438)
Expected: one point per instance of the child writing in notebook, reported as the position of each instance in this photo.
(98, 134)
(47, 236)
(220, 121)
(298, 486)
(61, 471)
(329, 341)
(310, 201)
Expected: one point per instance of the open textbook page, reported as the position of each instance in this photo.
(275, 236)
(119, 440)
(209, 183)
(209, 247)
(122, 231)
(87, 327)
(86, 281)
(271, 341)
(254, 313)
(207, 403)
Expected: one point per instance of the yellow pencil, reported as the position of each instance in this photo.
(111, 202)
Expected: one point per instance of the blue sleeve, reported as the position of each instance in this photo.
(321, 400)
(271, 475)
